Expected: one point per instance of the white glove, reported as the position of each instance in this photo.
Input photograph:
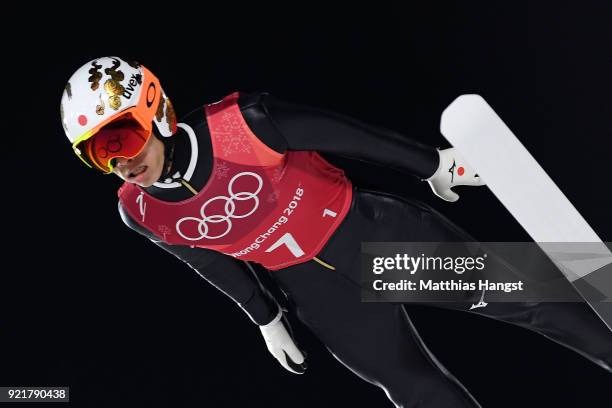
(452, 171)
(282, 346)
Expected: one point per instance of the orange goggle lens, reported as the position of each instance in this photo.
(125, 139)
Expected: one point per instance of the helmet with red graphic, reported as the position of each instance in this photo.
(110, 108)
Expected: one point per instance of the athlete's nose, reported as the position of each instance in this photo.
(121, 161)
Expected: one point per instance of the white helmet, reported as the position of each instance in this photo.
(108, 89)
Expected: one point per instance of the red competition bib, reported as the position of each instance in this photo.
(258, 205)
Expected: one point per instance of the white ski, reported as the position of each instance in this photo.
(533, 199)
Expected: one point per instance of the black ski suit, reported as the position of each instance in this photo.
(377, 341)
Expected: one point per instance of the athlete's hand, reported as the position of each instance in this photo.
(452, 171)
(281, 345)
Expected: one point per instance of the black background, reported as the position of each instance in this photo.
(89, 304)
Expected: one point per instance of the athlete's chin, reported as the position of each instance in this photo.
(144, 176)
(143, 180)
(150, 179)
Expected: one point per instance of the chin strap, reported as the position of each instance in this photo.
(169, 143)
(188, 186)
(168, 158)
(167, 172)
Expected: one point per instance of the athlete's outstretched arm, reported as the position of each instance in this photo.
(288, 126)
(307, 128)
(230, 276)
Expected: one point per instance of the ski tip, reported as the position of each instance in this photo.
(468, 99)
(460, 111)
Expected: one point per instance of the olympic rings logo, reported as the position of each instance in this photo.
(230, 209)
(113, 145)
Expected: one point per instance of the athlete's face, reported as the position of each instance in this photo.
(145, 168)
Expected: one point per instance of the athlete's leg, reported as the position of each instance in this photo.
(571, 324)
(376, 341)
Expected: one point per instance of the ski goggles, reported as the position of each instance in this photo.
(124, 137)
